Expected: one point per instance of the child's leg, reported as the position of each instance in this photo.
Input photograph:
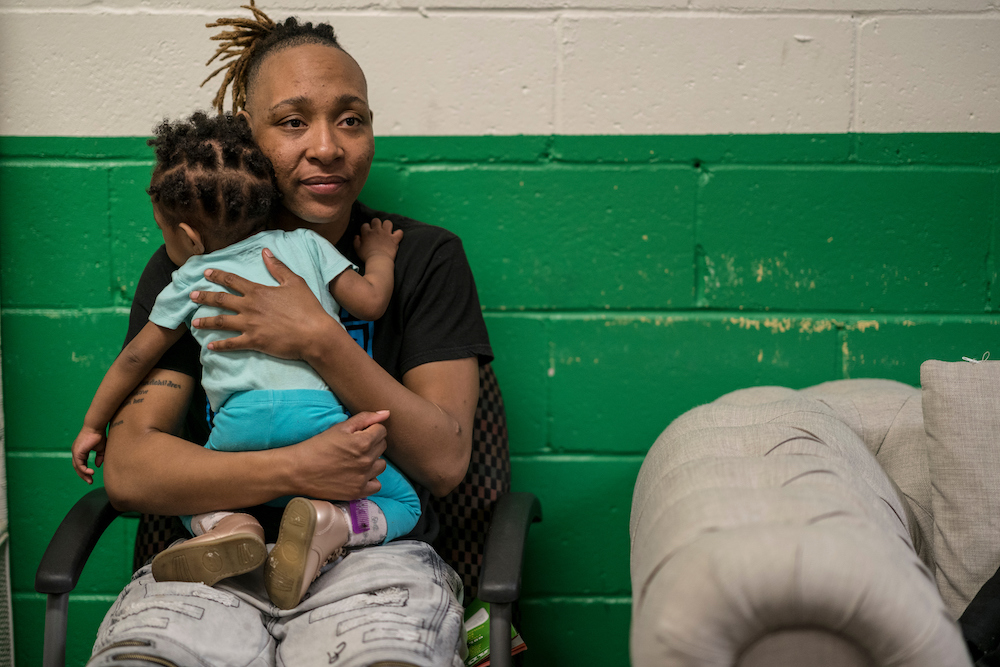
(384, 516)
(311, 532)
(398, 502)
(199, 524)
(366, 522)
(227, 544)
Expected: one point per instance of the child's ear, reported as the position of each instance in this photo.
(197, 247)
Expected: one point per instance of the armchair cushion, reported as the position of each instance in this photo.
(961, 408)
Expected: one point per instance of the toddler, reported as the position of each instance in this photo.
(212, 192)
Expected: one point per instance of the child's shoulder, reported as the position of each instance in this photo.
(295, 236)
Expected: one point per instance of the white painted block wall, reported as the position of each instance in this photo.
(505, 67)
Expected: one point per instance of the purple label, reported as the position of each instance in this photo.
(359, 516)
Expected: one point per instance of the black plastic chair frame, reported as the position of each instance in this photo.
(74, 540)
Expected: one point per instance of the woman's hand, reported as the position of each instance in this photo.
(284, 321)
(342, 462)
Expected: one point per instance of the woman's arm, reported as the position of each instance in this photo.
(128, 369)
(431, 411)
(430, 427)
(131, 366)
(148, 468)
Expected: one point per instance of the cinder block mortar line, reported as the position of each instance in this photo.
(559, 26)
(546, 155)
(73, 162)
(852, 121)
(942, 316)
(63, 313)
(549, 416)
(643, 11)
(546, 158)
(579, 599)
(692, 314)
(628, 455)
(991, 251)
(842, 355)
(575, 458)
(544, 161)
(854, 143)
(838, 319)
(35, 454)
(697, 250)
(13, 159)
(851, 160)
(79, 597)
(846, 166)
(70, 158)
(444, 11)
(113, 286)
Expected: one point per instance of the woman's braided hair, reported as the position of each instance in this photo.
(210, 174)
(248, 40)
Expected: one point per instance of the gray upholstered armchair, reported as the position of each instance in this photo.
(847, 524)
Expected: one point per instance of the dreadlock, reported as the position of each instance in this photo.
(210, 174)
(249, 40)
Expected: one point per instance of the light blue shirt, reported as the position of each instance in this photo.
(224, 373)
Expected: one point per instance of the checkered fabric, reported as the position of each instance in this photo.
(464, 513)
(155, 534)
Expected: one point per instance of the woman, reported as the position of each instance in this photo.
(305, 100)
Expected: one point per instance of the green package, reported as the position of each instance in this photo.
(477, 628)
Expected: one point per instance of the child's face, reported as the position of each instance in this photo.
(179, 246)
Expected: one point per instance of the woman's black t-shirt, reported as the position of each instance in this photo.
(434, 315)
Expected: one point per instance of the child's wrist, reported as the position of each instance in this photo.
(373, 254)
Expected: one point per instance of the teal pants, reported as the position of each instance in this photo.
(264, 419)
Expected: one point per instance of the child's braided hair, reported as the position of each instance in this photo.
(210, 174)
(246, 43)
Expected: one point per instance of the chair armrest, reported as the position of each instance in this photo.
(72, 543)
(500, 574)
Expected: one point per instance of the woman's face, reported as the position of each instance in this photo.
(308, 110)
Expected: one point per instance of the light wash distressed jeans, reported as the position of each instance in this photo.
(396, 603)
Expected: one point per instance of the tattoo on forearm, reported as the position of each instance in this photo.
(160, 383)
(117, 423)
(137, 400)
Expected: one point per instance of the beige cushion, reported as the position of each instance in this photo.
(961, 406)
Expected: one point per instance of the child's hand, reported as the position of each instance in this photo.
(86, 442)
(377, 238)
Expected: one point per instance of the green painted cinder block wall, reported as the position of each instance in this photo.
(624, 280)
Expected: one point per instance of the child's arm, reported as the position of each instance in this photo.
(366, 297)
(128, 370)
